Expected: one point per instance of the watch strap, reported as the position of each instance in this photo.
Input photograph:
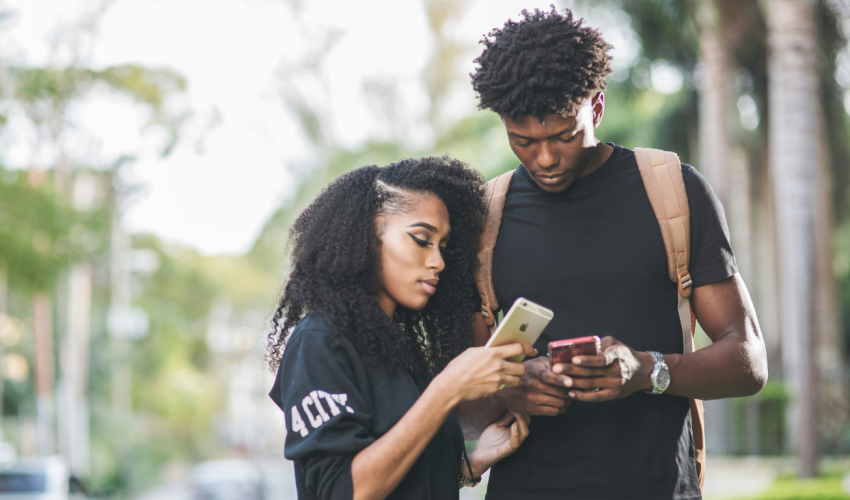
(660, 364)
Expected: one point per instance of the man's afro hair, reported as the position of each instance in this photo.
(545, 63)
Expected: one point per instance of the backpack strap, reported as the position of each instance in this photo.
(661, 172)
(495, 193)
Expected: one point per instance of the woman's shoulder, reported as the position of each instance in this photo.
(313, 324)
(315, 335)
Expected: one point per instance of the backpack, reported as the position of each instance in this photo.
(662, 177)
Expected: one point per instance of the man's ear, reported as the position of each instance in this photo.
(598, 105)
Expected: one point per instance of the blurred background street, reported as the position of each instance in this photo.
(154, 153)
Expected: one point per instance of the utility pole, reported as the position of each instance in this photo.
(74, 417)
(125, 324)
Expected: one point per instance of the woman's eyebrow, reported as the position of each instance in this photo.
(427, 226)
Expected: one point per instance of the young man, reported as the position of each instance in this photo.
(579, 236)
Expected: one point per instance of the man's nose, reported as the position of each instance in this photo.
(547, 158)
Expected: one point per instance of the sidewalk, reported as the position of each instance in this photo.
(730, 477)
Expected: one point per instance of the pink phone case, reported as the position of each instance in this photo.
(563, 351)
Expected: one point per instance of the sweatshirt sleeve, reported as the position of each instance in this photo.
(327, 414)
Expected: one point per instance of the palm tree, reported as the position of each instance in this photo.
(797, 164)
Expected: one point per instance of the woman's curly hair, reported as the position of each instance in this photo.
(335, 265)
(545, 63)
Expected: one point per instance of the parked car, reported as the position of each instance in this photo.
(226, 480)
(40, 479)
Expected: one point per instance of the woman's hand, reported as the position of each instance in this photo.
(499, 440)
(481, 371)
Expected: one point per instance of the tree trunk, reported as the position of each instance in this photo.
(43, 332)
(713, 102)
(796, 159)
(726, 166)
(829, 353)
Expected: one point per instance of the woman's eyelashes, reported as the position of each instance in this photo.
(424, 243)
(420, 242)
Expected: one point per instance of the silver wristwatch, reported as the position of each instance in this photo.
(660, 376)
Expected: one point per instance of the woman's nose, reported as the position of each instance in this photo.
(435, 260)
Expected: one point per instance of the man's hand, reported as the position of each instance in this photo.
(618, 372)
(540, 391)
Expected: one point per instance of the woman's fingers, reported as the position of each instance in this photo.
(505, 419)
(510, 368)
(511, 380)
(522, 424)
(515, 349)
(515, 437)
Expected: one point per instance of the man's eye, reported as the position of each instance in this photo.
(567, 140)
(522, 144)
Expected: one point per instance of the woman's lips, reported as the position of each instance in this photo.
(430, 286)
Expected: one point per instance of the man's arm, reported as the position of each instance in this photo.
(735, 365)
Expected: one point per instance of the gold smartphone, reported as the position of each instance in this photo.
(524, 322)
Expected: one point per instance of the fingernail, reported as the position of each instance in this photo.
(568, 382)
(557, 369)
(535, 351)
(572, 394)
(576, 361)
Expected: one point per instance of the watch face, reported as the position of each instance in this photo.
(662, 380)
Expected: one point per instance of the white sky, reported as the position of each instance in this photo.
(230, 170)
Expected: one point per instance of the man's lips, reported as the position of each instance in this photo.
(550, 179)
(430, 286)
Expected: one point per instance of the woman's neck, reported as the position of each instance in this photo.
(386, 303)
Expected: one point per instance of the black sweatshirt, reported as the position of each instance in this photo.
(336, 404)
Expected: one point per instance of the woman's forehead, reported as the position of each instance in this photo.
(428, 212)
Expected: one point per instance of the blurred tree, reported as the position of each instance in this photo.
(58, 233)
(797, 162)
(442, 73)
(730, 39)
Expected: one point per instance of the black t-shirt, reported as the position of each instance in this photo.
(595, 256)
(336, 404)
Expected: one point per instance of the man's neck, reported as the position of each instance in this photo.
(598, 156)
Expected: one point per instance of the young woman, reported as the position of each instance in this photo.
(378, 304)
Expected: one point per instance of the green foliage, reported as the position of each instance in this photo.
(40, 236)
(150, 86)
(667, 29)
(825, 487)
(47, 92)
(644, 118)
(774, 390)
(60, 86)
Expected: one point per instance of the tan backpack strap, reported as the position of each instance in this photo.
(698, 428)
(495, 193)
(662, 177)
(661, 172)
